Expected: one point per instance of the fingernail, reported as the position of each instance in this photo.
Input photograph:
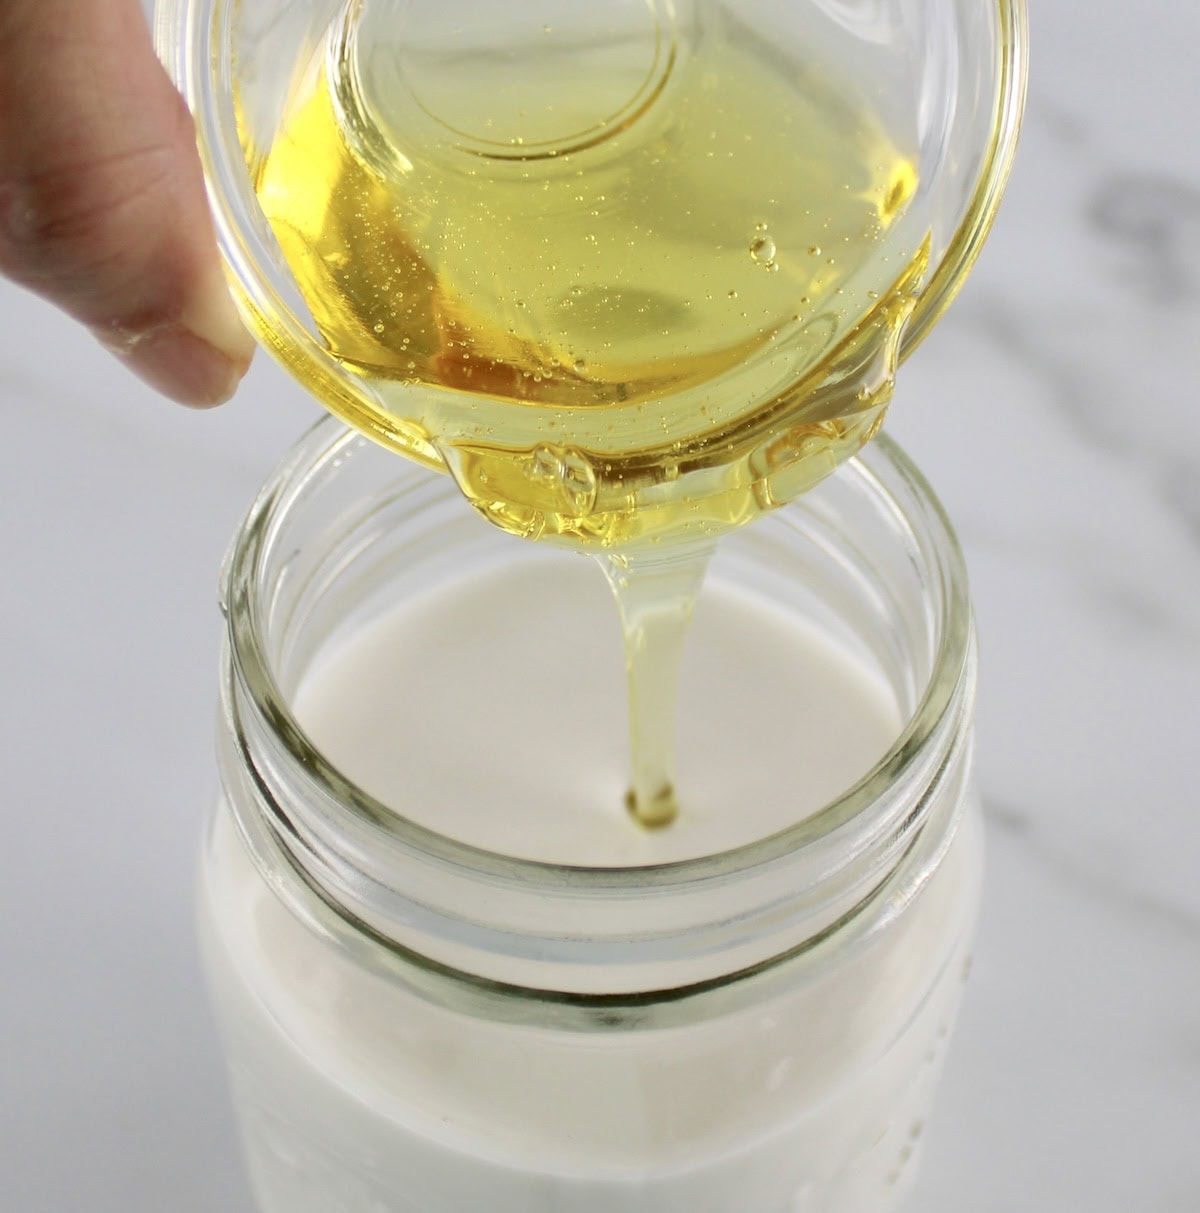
(198, 359)
(214, 318)
(178, 363)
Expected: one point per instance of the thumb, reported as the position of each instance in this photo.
(102, 204)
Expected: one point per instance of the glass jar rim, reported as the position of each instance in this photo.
(324, 448)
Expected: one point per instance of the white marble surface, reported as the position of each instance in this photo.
(1055, 410)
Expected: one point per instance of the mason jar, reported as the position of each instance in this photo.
(417, 1022)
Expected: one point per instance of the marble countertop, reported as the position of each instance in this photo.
(1055, 411)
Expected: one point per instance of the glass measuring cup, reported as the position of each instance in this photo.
(630, 270)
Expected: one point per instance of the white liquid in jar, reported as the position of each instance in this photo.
(359, 1094)
(494, 712)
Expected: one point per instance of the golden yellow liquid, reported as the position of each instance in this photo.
(634, 311)
(630, 291)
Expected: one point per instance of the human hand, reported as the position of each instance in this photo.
(102, 204)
